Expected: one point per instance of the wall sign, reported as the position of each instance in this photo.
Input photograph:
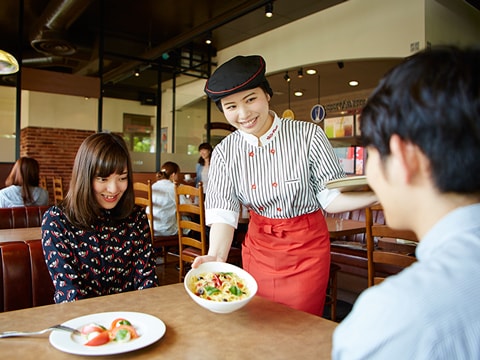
(317, 114)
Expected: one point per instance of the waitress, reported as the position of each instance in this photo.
(278, 169)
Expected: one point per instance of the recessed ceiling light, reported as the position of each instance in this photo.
(298, 93)
(311, 71)
(353, 83)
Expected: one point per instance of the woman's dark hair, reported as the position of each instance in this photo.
(205, 146)
(26, 174)
(100, 155)
(432, 100)
(265, 86)
(167, 170)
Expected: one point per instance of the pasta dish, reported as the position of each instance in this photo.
(219, 286)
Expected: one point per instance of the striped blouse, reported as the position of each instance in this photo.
(283, 178)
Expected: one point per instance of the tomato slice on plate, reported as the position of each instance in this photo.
(100, 339)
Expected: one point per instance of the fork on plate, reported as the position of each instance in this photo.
(31, 333)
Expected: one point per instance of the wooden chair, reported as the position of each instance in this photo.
(332, 290)
(192, 234)
(57, 190)
(382, 263)
(192, 231)
(43, 182)
(160, 243)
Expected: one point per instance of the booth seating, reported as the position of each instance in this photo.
(25, 281)
(21, 217)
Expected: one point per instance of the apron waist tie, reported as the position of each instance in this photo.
(271, 230)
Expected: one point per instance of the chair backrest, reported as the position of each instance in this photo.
(192, 233)
(43, 182)
(57, 190)
(143, 197)
(377, 257)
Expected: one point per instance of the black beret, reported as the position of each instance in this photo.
(237, 74)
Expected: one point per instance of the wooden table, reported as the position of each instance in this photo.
(20, 234)
(262, 329)
(349, 227)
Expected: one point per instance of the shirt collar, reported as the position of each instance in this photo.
(268, 136)
(461, 220)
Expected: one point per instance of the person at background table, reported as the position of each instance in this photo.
(421, 127)
(203, 164)
(163, 198)
(97, 242)
(22, 185)
(278, 169)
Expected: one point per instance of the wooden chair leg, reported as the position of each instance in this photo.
(331, 298)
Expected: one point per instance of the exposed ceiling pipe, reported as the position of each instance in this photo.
(49, 33)
(185, 38)
(46, 60)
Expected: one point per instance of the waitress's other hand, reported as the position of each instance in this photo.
(203, 259)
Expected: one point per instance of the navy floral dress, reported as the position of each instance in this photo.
(108, 259)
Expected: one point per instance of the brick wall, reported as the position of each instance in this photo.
(55, 151)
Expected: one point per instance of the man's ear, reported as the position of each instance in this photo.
(405, 157)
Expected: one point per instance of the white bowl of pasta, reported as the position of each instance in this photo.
(220, 287)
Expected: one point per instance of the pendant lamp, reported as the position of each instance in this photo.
(8, 63)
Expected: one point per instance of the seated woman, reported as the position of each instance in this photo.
(97, 242)
(163, 197)
(23, 185)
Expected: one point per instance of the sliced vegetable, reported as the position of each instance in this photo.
(123, 333)
(87, 329)
(98, 338)
(118, 322)
(121, 330)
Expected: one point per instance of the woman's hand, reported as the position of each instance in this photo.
(203, 259)
(221, 236)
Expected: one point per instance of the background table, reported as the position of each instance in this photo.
(349, 227)
(262, 329)
(20, 234)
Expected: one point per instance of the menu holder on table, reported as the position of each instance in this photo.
(349, 183)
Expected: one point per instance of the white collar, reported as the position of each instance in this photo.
(265, 138)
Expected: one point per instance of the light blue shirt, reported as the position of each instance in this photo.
(164, 208)
(431, 310)
(11, 196)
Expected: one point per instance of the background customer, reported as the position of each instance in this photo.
(23, 185)
(203, 164)
(163, 197)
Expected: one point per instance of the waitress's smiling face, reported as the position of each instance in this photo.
(109, 190)
(248, 111)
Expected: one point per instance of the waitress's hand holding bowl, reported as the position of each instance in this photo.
(220, 287)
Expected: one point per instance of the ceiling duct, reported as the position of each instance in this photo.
(49, 35)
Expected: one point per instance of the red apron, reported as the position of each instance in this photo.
(289, 259)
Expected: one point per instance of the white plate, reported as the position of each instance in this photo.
(150, 329)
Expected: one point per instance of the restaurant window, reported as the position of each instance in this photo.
(138, 133)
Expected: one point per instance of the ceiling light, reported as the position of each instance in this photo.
(269, 9)
(311, 71)
(298, 93)
(353, 83)
(286, 77)
(137, 73)
(8, 63)
(208, 39)
(300, 73)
